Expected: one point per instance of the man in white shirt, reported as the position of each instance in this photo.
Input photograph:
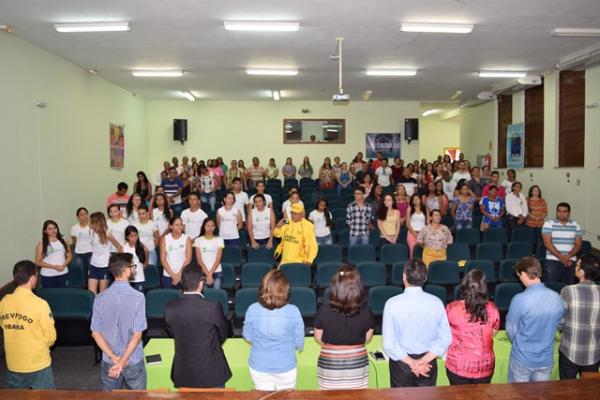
(449, 185)
(383, 174)
(241, 197)
(193, 217)
(516, 207)
(462, 173)
(260, 189)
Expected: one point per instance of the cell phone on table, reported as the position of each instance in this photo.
(153, 359)
(377, 355)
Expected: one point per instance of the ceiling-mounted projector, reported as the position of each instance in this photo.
(341, 98)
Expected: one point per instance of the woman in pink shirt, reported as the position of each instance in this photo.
(474, 320)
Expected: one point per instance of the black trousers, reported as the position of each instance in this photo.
(569, 370)
(461, 380)
(402, 376)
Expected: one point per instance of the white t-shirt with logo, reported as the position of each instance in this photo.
(139, 269)
(84, 238)
(383, 176)
(209, 248)
(117, 230)
(193, 222)
(261, 223)
(161, 222)
(55, 255)
(320, 223)
(146, 233)
(268, 199)
(241, 200)
(228, 223)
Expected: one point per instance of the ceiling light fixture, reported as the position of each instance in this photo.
(456, 94)
(429, 112)
(502, 74)
(6, 28)
(262, 26)
(188, 95)
(92, 27)
(427, 27)
(391, 72)
(276, 95)
(157, 73)
(575, 32)
(272, 71)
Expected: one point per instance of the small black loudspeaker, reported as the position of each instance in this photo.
(411, 129)
(180, 130)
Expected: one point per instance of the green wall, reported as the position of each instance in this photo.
(56, 159)
(578, 186)
(436, 135)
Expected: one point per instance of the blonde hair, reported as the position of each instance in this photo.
(98, 224)
(274, 290)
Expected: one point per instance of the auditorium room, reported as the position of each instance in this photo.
(267, 199)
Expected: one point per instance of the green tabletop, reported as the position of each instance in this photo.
(238, 350)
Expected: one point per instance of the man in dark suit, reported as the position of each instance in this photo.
(199, 328)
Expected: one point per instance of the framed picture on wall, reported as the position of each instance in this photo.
(387, 143)
(453, 152)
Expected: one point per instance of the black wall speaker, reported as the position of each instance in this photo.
(411, 129)
(180, 130)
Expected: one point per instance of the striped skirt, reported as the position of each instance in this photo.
(343, 367)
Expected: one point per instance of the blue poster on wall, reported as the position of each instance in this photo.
(387, 143)
(515, 146)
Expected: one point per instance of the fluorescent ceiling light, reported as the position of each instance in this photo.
(427, 27)
(429, 112)
(391, 72)
(272, 71)
(276, 95)
(93, 27)
(577, 32)
(188, 95)
(502, 74)
(157, 73)
(262, 26)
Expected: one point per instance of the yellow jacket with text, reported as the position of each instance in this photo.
(299, 242)
(28, 327)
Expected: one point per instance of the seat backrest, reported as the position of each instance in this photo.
(507, 270)
(372, 273)
(458, 252)
(556, 286)
(325, 272)
(438, 291)
(305, 299)
(504, 294)
(397, 272)
(485, 266)
(152, 278)
(156, 300)
(495, 235)
(378, 295)
(262, 255)
(243, 299)
(228, 271)
(69, 303)
(298, 274)
(252, 273)
(489, 251)
(232, 255)
(77, 276)
(519, 249)
(443, 273)
(523, 234)
(470, 236)
(329, 253)
(393, 253)
(361, 252)
(218, 296)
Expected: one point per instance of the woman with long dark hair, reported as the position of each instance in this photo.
(53, 255)
(143, 186)
(538, 210)
(161, 213)
(434, 238)
(321, 219)
(209, 251)
(326, 175)
(416, 219)
(135, 201)
(474, 320)
(343, 327)
(388, 220)
(134, 246)
(81, 239)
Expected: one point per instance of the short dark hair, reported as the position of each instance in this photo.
(122, 186)
(23, 270)
(563, 204)
(236, 179)
(191, 276)
(416, 272)
(515, 183)
(195, 194)
(346, 292)
(119, 262)
(274, 291)
(360, 189)
(531, 266)
(590, 265)
(143, 206)
(495, 173)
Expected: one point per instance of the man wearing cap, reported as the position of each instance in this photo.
(298, 240)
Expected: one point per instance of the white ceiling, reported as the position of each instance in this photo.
(189, 35)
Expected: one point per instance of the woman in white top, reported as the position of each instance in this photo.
(148, 233)
(416, 219)
(511, 177)
(209, 251)
(261, 222)
(175, 253)
(388, 220)
(516, 207)
(229, 221)
(81, 239)
(103, 243)
(53, 255)
(135, 247)
(286, 207)
(161, 213)
(321, 218)
(135, 201)
(116, 225)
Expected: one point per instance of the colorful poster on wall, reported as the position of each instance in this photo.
(387, 143)
(117, 146)
(515, 146)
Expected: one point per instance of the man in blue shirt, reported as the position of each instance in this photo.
(173, 187)
(118, 320)
(415, 331)
(531, 325)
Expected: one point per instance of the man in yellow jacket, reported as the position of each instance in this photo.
(28, 327)
(298, 240)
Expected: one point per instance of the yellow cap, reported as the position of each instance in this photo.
(297, 208)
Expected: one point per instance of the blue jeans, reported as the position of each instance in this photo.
(167, 283)
(463, 224)
(41, 380)
(325, 240)
(152, 257)
(555, 271)
(218, 280)
(51, 282)
(517, 372)
(232, 242)
(139, 286)
(82, 260)
(358, 239)
(262, 242)
(177, 209)
(209, 198)
(133, 376)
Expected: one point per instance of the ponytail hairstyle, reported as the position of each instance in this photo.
(473, 289)
(46, 239)
(98, 224)
(139, 247)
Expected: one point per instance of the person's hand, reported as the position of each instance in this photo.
(115, 371)
(565, 259)
(175, 278)
(421, 368)
(270, 244)
(60, 267)
(255, 245)
(281, 223)
(210, 280)
(115, 358)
